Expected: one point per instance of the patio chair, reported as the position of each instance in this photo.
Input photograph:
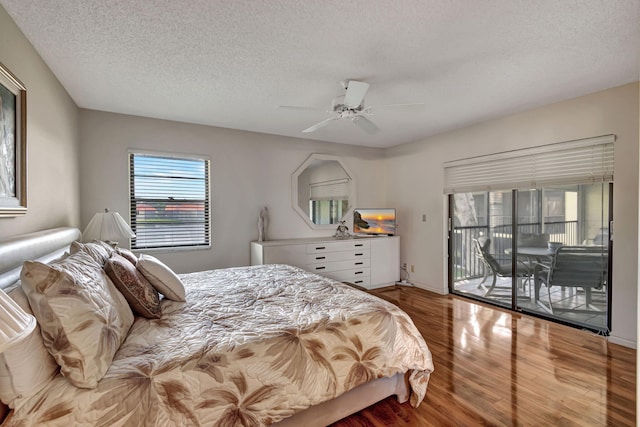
(533, 240)
(499, 266)
(480, 257)
(573, 267)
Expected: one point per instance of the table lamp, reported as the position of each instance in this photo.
(109, 227)
(15, 323)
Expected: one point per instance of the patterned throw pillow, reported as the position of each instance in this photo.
(82, 316)
(128, 255)
(161, 277)
(142, 297)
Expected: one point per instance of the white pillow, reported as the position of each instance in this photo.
(26, 367)
(161, 277)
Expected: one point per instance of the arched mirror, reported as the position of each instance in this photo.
(323, 191)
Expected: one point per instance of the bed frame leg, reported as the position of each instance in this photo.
(402, 388)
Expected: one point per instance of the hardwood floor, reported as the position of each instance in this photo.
(495, 367)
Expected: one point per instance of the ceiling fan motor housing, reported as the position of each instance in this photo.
(338, 105)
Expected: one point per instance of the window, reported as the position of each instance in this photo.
(169, 201)
(328, 211)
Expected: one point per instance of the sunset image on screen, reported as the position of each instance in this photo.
(374, 221)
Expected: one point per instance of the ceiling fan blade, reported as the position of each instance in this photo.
(355, 93)
(319, 125)
(365, 124)
(295, 107)
(411, 106)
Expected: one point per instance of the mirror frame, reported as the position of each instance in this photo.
(294, 191)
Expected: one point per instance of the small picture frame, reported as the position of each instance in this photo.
(13, 145)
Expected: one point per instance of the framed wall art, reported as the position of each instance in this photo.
(13, 145)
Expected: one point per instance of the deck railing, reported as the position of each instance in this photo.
(466, 261)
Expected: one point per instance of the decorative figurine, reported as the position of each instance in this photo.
(342, 232)
(263, 223)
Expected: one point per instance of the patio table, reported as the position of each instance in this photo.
(534, 253)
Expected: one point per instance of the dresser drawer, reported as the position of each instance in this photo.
(341, 246)
(327, 267)
(321, 258)
(364, 282)
(358, 276)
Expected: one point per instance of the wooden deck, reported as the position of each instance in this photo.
(494, 367)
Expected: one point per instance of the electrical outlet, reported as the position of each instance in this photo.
(412, 269)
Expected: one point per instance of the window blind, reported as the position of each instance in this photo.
(170, 206)
(329, 190)
(573, 162)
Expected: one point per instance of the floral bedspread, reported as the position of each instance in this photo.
(251, 346)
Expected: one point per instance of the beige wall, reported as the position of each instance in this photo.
(415, 182)
(248, 171)
(52, 139)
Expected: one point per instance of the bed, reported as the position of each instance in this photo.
(261, 345)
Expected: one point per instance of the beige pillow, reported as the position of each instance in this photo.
(141, 296)
(97, 250)
(26, 367)
(83, 317)
(161, 277)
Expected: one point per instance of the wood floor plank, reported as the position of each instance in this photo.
(499, 368)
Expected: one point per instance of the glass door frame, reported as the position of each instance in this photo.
(514, 306)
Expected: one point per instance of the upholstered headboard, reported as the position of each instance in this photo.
(42, 246)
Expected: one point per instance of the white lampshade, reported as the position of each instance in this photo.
(107, 226)
(15, 323)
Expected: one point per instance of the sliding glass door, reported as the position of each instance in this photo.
(570, 282)
(529, 229)
(556, 262)
(479, 239)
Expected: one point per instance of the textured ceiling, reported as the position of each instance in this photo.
(233, 63)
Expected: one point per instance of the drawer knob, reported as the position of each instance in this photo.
(320, 247)
(359, 263)
(320, 257)
(359, 245)
(358, 272)
(320, 268)
(358, 254)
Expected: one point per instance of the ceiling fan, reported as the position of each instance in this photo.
(350, 106)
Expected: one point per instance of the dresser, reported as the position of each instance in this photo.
(369, 262)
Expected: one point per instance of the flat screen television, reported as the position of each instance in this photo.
(381, 221)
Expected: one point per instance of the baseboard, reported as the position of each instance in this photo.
(622, 341)
(429, 288)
